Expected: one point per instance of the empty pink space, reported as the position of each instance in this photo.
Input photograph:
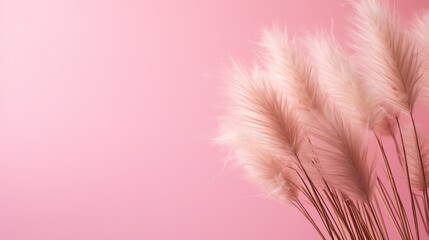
(108, 109)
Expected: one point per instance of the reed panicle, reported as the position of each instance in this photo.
(301, 123)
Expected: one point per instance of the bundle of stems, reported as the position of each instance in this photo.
(310, 124)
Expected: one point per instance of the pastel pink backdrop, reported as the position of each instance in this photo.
(107, 113)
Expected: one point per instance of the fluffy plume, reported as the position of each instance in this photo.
(389, 56)
(268, 173)
(338, 74)
(287, 66)
(421, 33)
(262, 131)
(342, 150)
(339, 147)
(299, 123)
(419, 171)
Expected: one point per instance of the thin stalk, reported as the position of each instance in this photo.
(341, 205)
(330, 214)
(385, 197)
(367, 219)
(359, 220)
(310, 197)
(375, 218)
(421, 214)
(320, 201)
(316, 201)
(425, 190)
(416, 224)
(382, 218)
(339, 211)
(404, 219)
(353, 220)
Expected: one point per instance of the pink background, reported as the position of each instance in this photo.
(107, 113)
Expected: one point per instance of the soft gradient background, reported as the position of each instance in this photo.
(108, 108)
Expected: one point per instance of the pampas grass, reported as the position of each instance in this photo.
(421, 32)
(310, 121)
